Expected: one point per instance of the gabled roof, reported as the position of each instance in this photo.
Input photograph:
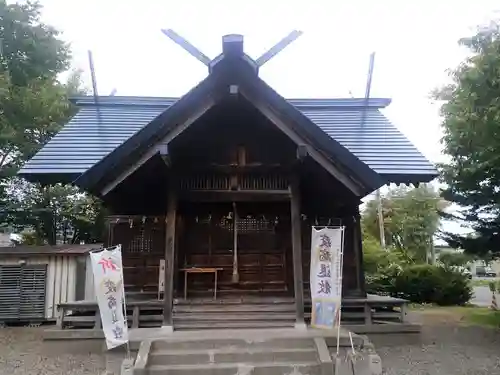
(233, 71)
(96, 130)
(110, 134)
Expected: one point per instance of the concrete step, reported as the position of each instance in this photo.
(232, 355)
(230, 343)
(264, 368)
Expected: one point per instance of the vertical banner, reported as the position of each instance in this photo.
(326, 276)
(161, 278)
(110, 292)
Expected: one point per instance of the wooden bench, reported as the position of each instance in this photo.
(377, 309)
(372, 309)
(86, 313)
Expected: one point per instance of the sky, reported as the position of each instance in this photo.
(415, 43)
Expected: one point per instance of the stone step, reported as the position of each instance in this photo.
(264, 368)
(250, 343)
(195, 325)
(232, 355)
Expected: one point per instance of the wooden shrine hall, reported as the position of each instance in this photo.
(223, 185)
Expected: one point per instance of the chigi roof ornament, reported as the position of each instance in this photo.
(232, 45)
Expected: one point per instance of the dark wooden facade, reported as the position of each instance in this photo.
(231, 176)
(233, 193)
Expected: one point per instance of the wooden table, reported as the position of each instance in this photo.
(200, 270)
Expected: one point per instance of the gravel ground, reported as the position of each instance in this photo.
(22, 352)
(444, 348)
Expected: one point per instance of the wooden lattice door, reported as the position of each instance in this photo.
(262, 246)
(143, 246)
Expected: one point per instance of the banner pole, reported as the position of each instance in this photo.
(107, 269)
(124, 303)
(341, 278)
(327, 264)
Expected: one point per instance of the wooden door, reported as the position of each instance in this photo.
(143, 246)
(262, 246)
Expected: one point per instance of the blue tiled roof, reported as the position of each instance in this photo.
(95, 131)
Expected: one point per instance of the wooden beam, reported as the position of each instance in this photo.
(298, 282)
(321, 159)
(159, 146)
(234, 168)
(301, 152)
(235, 196)
(242, 156)
(169, 258)
(236, 275)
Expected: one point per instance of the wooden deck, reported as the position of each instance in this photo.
(362, 315)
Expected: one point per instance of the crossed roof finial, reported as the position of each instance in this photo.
(230, 39)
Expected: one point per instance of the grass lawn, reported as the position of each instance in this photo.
(467, 315)
(481, 282)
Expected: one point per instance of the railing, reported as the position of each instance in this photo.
(238, 181)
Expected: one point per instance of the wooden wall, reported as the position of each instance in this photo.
(214, 141)
(143, 245)
(61, 279)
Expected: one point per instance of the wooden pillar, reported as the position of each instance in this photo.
(169, 259)
(358, 253)
(298, 282)
(236, 275)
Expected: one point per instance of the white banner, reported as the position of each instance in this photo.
(161, 278)
(326, 276)
(110, 292)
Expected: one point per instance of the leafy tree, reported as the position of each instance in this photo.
(33, 102)
(452, 258)
(471, 126)
(375, 258)
(56, 213)
(34, 105)
(411, 219)
(31, 49)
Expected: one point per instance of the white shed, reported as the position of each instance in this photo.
(35, 279)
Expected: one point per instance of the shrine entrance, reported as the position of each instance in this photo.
(248, 244)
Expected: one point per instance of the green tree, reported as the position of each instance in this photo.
(452, 258)
(31, 49)
(56, 213)
(34, 106)
(411, 219)
(33, 102)
(471, 126)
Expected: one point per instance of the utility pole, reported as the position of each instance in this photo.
(92, 75)
(380, 214)
(433, 250)
(3, 61)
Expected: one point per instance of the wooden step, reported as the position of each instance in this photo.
(194, 325)
(234, 308)
(233, 317)
(235, 301)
